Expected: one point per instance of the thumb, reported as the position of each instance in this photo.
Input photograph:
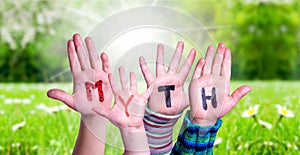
(148, 92)
(62, 96)
(239, 93)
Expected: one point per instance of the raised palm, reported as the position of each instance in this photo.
(173, 80)
(85, 68)
(128, 109)
(210, 87)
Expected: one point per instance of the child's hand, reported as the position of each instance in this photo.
(128, 109)
(86, 71)
(90, 83)
(209, 92)
(168, 96)
(127, 113)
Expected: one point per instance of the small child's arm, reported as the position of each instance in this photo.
(209, 101)
(86, 71)
(127, 113)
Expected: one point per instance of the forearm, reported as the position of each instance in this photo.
(159, 129)
(135, 141)
(195, 139)
(87, 142)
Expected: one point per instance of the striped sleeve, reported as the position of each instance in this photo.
(159, 130)
(195, 139)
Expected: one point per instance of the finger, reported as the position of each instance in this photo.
(133, 85)
(93, 56)
(226, 65)
(176, 57)
(62, 96)
(160, 67)
(198, 69)
(208, 60)
(105, 63)
(123, 78)
(216, 69)
(73, 59)
(145, 70)
(81, 52)
(102, 111)
(186, 67)
(239, 93)
(148, 92)
(113, 84)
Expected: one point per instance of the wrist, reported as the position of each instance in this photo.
(134, 140)
(87, 142)
(133, 129)
(203, 122)
(203, 130)
(96, 125)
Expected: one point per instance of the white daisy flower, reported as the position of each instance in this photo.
(251, 111)
(35, 147)
(283, 111)
(265, 124)
(41, 106)
(246, 145)
(8, 101)
(26, 101)
(15, 144)
(18, 126)
(240, 147)
(48, 110)
(17, 101)
(217, 141)
(54, 109)
(63, 107)
(270, 143)
(2, 112)
(1, 148)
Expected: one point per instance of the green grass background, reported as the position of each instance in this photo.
(56, 133)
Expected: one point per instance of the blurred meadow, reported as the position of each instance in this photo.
(263, 35)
